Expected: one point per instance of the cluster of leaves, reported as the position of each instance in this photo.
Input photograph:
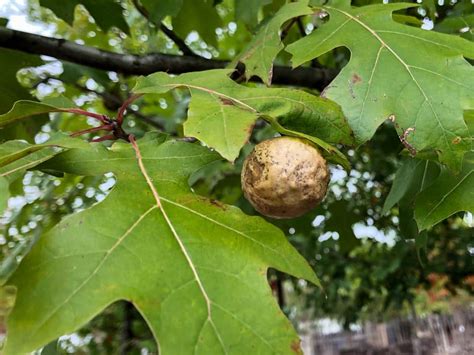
(103, 223)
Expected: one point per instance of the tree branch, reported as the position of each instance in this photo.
(183, 47)
(128, 64)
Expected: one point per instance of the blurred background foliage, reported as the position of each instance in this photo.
(373, 265)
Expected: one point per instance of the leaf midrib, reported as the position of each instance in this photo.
(185, 252)
(96, 269)
(28, 165)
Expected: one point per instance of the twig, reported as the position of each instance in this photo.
(299, 22)
(183, 47)
(78, 111)
(126, 334)
(286, 29)
(117, 103)
(124, 106)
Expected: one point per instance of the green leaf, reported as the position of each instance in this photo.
(195, 269)
(11, 90)
(11, 62)
(424, 91)
(342, 211)
(11, 261)
(51, 349)
(261, 51)
(4, 193)
(460, 21)
(158, 10)
(200, 16)
(17, 156)
(247, 10)
(222, 104)
(421, 243)
(329, 152)
(448, 194)
(106, 13)
(24, 109)
(469, 118)
(413, 176)
(216, 124)
(462, 25)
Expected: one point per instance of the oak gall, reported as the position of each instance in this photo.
(284, 177)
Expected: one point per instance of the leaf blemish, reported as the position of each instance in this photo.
(218, 204)
(456, 140)
(295, 346)
(226, 101)
(250, 129)
(356, 79)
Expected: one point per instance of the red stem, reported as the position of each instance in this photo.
(101, 118)
(93, 129)
(124, 106)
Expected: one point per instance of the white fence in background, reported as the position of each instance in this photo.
(431, 335)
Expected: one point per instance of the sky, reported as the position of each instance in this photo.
(15, 11)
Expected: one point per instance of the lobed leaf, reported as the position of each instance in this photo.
(218, 103)
(424, 90)
(261, 51)
(195, 269)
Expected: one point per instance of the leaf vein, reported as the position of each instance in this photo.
(96, 270)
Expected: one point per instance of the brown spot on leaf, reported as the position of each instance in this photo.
(218, 204)
(403, 139)
(356, 79)
(295, 346)
(250, 128)
(226, 101)
(324, 92)
(456, 140)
